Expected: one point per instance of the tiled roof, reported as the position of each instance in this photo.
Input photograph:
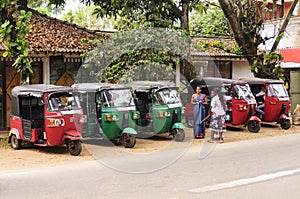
(53, 35)
(214, 46)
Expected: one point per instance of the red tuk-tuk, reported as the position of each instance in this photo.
(273, 100)
(240, 102)
(46, 115)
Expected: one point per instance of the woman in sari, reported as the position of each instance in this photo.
(198, 99)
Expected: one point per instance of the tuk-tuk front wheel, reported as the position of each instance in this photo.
(253, 126)
(74, 147)
(285, 124)
(128, 140)
(179, 135)
(15, 143)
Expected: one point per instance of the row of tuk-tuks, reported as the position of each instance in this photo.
(249, 101)
(49, 115)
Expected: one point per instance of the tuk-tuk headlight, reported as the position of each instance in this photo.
(167, 114)
(110, 118)
(160, 114)
(164, 114)
(242, 107)
(83, 119)
(136, 116)
(56, 122)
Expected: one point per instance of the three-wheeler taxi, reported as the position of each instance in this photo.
(46, 115)
(160, 109)
(240, 102)
(273, 100)
(110, 110)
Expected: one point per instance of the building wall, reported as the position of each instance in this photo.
(291, 37)
(240, 69)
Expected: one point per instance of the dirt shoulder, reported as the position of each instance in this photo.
(32, 157)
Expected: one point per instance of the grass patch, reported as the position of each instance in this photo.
(4, 142)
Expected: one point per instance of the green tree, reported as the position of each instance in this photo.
(246, 19)
(13, 29)
(14, 26)
(210, 23)
(143, 54)
(47, 6)
(157, 13)
(83, 16)
(168, 14)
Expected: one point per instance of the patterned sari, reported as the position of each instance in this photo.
(199, 114)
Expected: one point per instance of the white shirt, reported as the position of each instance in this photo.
(216, 106)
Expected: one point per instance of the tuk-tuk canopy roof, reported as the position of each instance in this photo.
(213, 81)
(261, 81)
(94, 87)
(147, 85)
(37, 89)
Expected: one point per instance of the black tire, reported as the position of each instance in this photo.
(15, 143)
(253, 126)
(285, 124)
(179, 135)
(74, 147)
(128, 140)
(189, 120)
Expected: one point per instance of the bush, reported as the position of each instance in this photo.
(4, 142)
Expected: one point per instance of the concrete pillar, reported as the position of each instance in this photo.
(46, 70)
(177, 76)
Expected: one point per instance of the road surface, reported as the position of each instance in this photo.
(262, 168)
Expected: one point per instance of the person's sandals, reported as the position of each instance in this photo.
(221, 141)
(210, 141)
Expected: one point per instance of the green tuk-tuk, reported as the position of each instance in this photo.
(160, 109)
(110, 110)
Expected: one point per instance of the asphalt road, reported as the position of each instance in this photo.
(262, 168)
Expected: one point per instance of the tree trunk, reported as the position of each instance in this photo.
(186, 68)
(243, 40)
(274, 9)
(184, 19)
(23, 4)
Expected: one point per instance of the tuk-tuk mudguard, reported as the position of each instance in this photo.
(14, 132)
(72, 135)
(284, 117)
(178, 125)
(255, 118)
(129, 130)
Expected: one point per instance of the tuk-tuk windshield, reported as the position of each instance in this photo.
(118, 98)
(277, 90)
(63, 101)
(242, 91)
(167, 96)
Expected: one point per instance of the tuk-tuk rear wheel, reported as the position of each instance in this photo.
(74, 147)
(189, 120)
(179, 135)
(128, 140)
(285, 124)
(15, 143)
(253, 126)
